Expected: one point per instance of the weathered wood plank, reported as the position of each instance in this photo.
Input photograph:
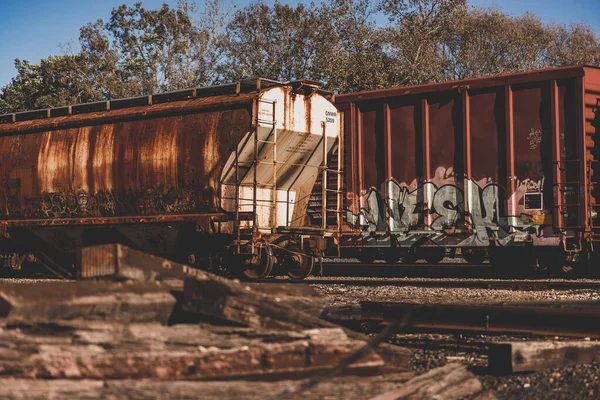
(347, 388)
(538, 356)
(239, 303)
(452, 381)
(48, 301)
(151, 336)
(96, 362)
(122, 262)
(300, 297)
(236, 302)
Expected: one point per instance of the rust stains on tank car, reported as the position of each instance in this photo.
(146, 160)
(308, 113)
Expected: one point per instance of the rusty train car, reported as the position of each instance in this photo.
(198, 175)
(505, 165)
(263, 174)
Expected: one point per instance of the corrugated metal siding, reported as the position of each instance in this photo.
(591, 113)
(511, 133)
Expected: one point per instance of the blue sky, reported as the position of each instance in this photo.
(33, 29)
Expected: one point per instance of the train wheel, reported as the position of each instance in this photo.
(262, 265)
(392, 256)
(554, 262)
(474, 255)
(410, 257)
(433, 255)
(511, 261)
(300, 266)
(366, 255)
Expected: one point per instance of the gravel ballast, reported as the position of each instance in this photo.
(434, 350)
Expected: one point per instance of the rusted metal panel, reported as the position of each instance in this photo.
(151, 166)
(406, 161)
(532, 154)
(475, 83)
(127, 114)
(592, 129)
(486, 118)
(484, 157)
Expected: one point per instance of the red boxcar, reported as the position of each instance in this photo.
(500, 162)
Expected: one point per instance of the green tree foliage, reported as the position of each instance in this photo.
(349, 45)
(278, 41)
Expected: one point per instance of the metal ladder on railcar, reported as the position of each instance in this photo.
(241, 230)
(321, 213)
(593, 236)
(564, 189)
(591, 230)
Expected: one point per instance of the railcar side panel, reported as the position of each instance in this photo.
(143, 167)
(501, 160)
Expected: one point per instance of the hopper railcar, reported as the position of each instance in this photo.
(505, 166)
(199, 176)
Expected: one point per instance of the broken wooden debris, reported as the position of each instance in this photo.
(452, 381)
(74, 350)
(506, 358)
(111, 330)
(236, 302)
(119, 261)
(155, 337)
(345, 387)
(299, 297)
(48, 301)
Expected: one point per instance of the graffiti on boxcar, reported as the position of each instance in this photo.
(535, 138)
(10, 199)
(103, 203)
(443, 207)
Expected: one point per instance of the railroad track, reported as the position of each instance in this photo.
(571, 318)
(405, 270)
(443, 270)
(494, 284)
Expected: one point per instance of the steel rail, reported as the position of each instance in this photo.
(493, 284)
(572, 319)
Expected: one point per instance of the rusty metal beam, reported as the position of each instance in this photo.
(12, 223)
(511, 183)
(564, 319)
(556, 155)
(585, 221)
(129, 114)
(466, 125)
(360, 164)
(524, 77)
(426, 150)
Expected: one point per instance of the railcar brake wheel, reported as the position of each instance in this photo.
(473, 255)
(263, 265)
(300, 266)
